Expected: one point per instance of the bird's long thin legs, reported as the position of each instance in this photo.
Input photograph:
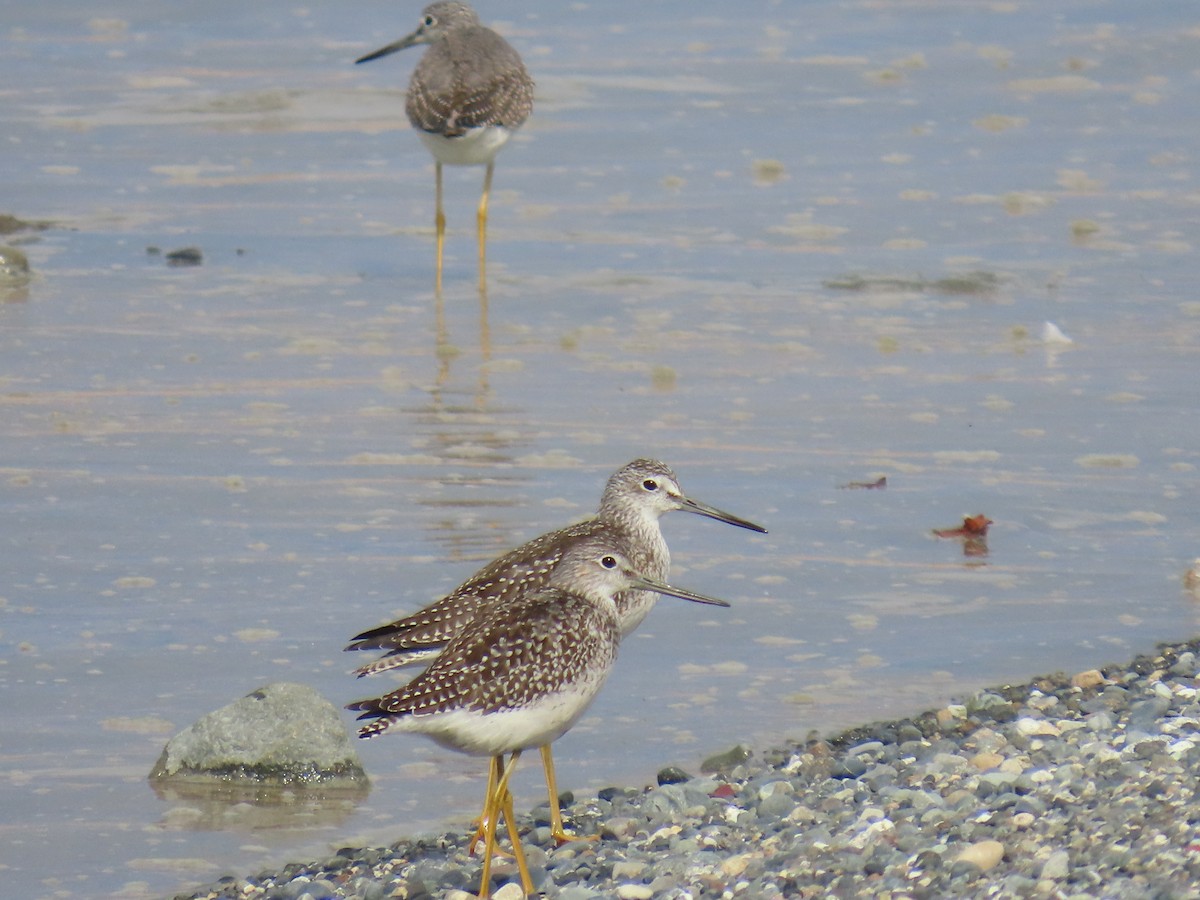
(440, 225)
(500, 802)
(560, 834)
(481, 222)
(482, 824)
(488, 822)
(513, 833)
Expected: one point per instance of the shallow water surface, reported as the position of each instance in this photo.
(807, 245)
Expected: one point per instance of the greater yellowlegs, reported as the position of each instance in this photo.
(522, 675)
(634, 499)
(466, 97)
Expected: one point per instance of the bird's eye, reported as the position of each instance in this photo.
(430, 21)
(650, 484)
(609, 562)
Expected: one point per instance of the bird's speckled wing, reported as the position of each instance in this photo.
(520, 571)
(451, 92)
(543, 643)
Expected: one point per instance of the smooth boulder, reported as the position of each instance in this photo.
(280, 734)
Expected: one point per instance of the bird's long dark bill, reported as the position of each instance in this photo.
(645, 584)
(391, 48)
(703, 509)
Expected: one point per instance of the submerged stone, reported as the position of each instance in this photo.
(185, 256)
(14, 264)
(723, 762)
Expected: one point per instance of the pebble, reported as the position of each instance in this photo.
(723, 762)
(619, 827)
(673, 775)
(1065, 787)
(627, 870)
(1088, 679)
(1057, 865)
(985, 761)
(984, 855)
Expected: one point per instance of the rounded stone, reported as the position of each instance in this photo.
(982, 854)
(724, 762)
(282, 733)
(1057, 865)
(673, 775)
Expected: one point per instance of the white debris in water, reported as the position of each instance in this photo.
(1052, 334)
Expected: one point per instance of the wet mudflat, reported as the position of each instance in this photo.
(784, 251)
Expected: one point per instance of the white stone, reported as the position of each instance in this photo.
(1030, 726)
(510, 891)
(984, 854)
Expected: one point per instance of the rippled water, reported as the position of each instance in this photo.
(801, 246)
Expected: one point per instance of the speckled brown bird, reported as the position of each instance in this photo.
(468, 94)
(636, 496)
(521, 676)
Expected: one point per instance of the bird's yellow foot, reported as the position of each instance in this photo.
(562, 836)
(478, 836)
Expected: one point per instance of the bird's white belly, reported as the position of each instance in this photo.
(491, 734)
(476, 147)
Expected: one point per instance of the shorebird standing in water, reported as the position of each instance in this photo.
(468, 94)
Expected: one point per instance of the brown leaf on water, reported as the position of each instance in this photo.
(976, 524)
(972, 526)
(973, 532)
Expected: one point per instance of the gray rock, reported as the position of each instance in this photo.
(848, 767)
(776, 805)
(185, 256)
(673, 775)
(1057, 865)
(723, 762)
(664, 801)
(867, 748)
(1185, 665)
(628, 870)
(573, 892)
(618, 828)
(282, 733)
(14, 264)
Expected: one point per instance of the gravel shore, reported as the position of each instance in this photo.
(1070, 786)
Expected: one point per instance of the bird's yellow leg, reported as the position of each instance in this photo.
(492, 809)
(504, 805)
(439, 222)
(481, 223)
(481, 823)
(560, 834)
(488, 823)
(513, 834)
